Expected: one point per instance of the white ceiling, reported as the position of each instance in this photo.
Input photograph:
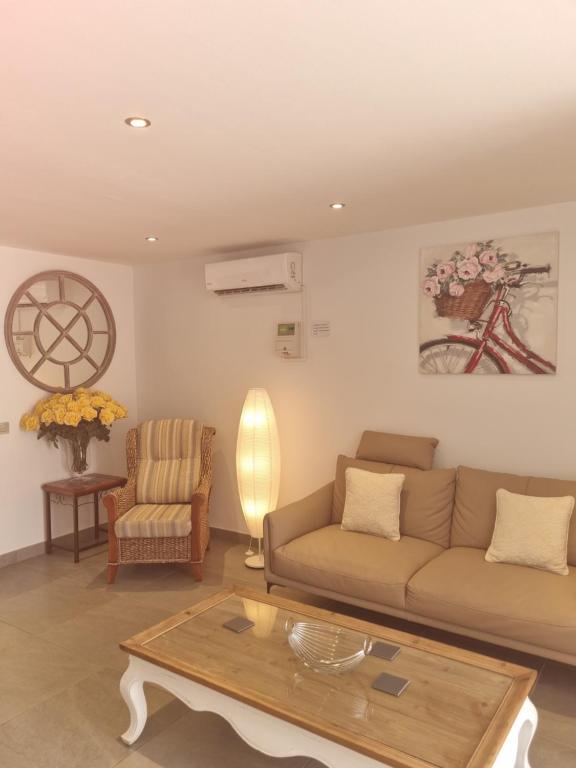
(265, 111)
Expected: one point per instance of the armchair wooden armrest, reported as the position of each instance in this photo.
(119, 501)
(199, 512)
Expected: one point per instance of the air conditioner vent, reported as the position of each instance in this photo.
(252, 289)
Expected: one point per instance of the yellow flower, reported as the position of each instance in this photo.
(97, 401)
(80, 391)
(29, 422)
(83, 401)
(88, 413)
(40, 406)
(118, 410)
(106, 416)
(65, 398)
(72, 419)
(47, 417)
(59, 414)
(73, 407)
(103, 395)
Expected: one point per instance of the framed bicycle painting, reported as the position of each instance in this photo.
(490, 306)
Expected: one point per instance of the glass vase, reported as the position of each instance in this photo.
(79, 463)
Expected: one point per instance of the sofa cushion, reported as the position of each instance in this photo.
(397, 449)
(532, 531)
(512, 601)
(355, 564)
(373, 503)
(475, 504)
(169, 455)
(426, 501)
(154, 521)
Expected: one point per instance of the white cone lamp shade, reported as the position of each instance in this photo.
(257, 465)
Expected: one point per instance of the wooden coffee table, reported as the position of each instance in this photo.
(461, 710)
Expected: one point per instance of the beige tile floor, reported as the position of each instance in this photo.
(60, 667)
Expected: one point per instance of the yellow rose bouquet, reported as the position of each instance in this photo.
(77, 417)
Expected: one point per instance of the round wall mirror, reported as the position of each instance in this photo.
(60, 331)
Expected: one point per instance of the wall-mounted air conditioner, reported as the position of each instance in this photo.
(276, 272)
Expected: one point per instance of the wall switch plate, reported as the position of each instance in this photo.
(4, 427)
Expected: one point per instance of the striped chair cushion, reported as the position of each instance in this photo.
(154, 521)
(169, 455)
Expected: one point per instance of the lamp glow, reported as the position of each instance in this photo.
(257, 465)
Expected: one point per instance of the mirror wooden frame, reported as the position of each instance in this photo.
(43, 311)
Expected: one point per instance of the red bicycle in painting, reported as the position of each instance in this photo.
(483, 353)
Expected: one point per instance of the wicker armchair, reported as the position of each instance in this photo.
(158, 548)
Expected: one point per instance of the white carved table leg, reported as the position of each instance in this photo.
(277, 737)
(132, 690)
(514, 752)
(261, 731)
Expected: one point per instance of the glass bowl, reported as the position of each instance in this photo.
(326, 647)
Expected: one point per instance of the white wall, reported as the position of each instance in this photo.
(25, 462)
(198, 354)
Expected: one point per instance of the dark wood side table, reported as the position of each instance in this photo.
(74, 488)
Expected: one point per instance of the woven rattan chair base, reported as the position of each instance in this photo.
(155, 550)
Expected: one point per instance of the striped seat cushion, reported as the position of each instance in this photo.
(154, 521)
(169, 454)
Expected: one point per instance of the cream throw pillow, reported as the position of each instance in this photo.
(372, 503)
(532, 531)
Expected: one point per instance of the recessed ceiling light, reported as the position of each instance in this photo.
(152, 238)
(337, 206)
(137, 122)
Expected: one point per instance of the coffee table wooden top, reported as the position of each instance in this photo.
(455, 713)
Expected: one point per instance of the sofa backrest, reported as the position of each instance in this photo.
(425, 504)
(475, 504)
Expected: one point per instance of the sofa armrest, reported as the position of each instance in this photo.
(296, 519)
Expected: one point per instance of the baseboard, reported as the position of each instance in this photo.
(235, 536)
(17, 555)
(33, 550)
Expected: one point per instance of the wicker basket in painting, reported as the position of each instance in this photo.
(469, 306)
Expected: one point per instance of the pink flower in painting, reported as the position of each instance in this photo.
(444, 270)
(491, 275)
(489, 257)
(431, 286)
(456, 289)
(468, 269)
(470, 251)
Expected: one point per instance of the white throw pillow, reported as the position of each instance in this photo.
(372, 503)
(532, 531)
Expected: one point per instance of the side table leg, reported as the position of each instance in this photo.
(47, 524)
(132, 690)
(96, 517)
(76, 535)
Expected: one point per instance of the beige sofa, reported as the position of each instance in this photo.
(436, 574)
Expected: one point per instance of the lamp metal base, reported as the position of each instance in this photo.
(256, 561)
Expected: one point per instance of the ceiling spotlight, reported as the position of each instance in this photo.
(137, 122)
(152, 238)
(337, 206)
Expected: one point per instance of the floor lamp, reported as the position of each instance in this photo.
(257, 465)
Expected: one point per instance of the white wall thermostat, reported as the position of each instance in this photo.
(288, 342)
